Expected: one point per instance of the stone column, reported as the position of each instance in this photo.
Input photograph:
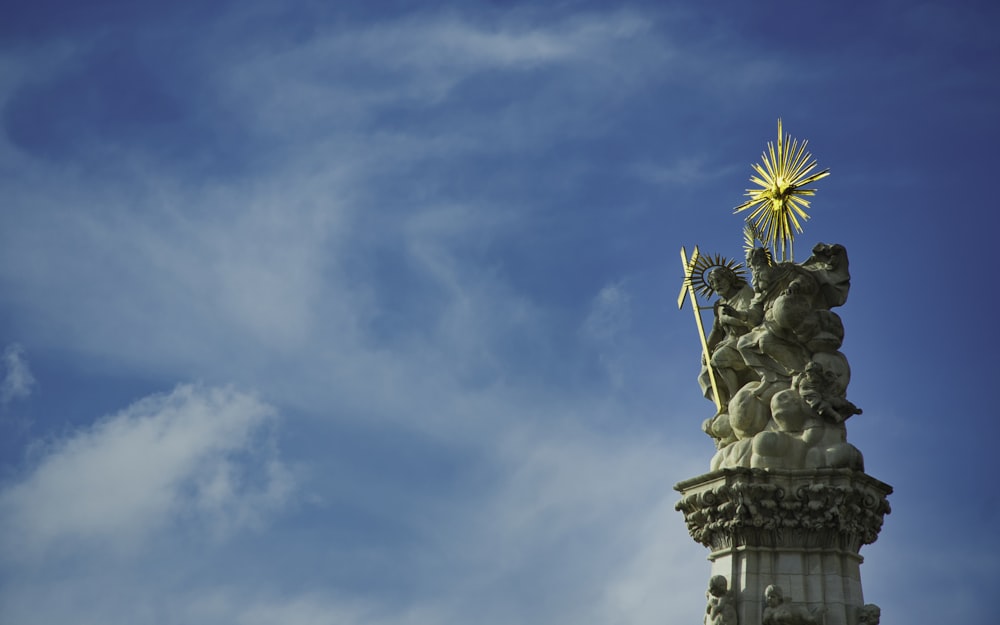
(800, 530)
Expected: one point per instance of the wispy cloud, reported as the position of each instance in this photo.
(575, 526)
(194, 454)
(683, 172)
(454, 77)
(573, 515)
(17, 381)
(606, 325)
(364, 199)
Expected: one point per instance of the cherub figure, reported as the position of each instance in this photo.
(720, 609)
(821, 389)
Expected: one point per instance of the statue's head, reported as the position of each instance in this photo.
(722, 280)
(834, 369)
(814, 374)
(718, 585)
(773, 596)
(758, 257)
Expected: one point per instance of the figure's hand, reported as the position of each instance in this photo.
(729, 311)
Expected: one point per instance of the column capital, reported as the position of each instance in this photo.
(838, 509)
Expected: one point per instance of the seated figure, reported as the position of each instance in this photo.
(732, 320)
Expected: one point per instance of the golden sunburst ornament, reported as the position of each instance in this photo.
(779, 204)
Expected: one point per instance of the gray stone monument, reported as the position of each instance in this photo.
(786, 505)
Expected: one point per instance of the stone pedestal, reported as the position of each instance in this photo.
(800, 530)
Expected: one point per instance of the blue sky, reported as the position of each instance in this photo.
(365, 313)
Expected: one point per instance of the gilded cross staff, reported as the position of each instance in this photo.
(687, 289)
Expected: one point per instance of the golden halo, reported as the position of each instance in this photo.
(703, 265)
(751, 237)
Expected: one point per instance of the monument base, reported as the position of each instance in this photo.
(786, 541)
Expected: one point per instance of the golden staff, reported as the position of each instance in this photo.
(688, 289)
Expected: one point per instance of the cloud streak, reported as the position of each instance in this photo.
(17, 381)
(191, 456)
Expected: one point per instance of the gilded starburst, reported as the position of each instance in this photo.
(779, 204)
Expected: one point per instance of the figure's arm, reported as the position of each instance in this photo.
(717, 333)
(731, 316)
(844, 407)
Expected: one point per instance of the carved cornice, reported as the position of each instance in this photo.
(821, 509)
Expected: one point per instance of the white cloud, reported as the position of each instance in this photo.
(664, 575)
(683, 172)
(606, 325)
(336, 84)
(565, 537)
(454, 43)
(609, 314)
(18, 381)
(302, 609)
(194, 454)
(152, 271)
(578, 528)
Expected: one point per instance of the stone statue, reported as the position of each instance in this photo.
(780, 377)
(732, 320)
(869, 614)
(777, 611)
(721, 609)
